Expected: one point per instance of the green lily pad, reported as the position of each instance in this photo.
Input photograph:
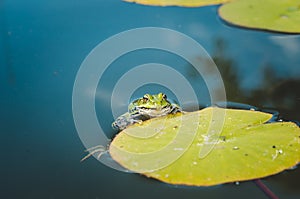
(185, 3)
(167, 148)
(279, 16)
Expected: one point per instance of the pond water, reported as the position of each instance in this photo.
(43, 45)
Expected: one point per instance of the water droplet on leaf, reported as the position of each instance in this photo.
(178, 149)
(284, 17)
(235, 148)
(223, 138)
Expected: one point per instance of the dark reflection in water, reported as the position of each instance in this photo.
(278, 93)
(275, 92)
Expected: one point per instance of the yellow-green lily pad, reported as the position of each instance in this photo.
(247, 148)
(185, 3)
(271, 15)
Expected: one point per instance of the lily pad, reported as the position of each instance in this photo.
(279, 16)
(247, 148)
(185, 3)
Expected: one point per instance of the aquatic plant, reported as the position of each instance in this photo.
(247, 148)
(269, 15)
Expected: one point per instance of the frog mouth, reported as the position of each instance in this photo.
(155, 112)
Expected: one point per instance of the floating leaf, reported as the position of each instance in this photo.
(279, 16)
(185, 3)
(247, 148)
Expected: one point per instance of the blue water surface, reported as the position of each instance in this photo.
(43, 44)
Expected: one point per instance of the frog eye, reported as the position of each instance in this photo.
(164, 96)
(146, 97)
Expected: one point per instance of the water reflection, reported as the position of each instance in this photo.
(228, 70)
(276, 92)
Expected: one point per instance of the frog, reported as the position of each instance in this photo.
(144, 108)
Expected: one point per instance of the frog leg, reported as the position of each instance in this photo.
(125, 120)
(121, 122)
(176, 109)
(96, 149)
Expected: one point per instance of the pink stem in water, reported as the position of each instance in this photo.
(265, 189)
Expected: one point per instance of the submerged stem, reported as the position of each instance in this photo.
(265, 189)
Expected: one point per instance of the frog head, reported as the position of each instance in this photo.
(151, 105)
